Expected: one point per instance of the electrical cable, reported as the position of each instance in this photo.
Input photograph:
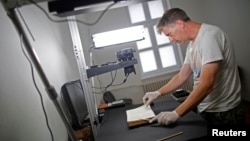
(104, 89)
(37, 89)
(113, 79)
(109, 85)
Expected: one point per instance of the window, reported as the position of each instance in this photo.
(156, 54)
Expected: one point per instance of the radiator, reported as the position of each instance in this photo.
(149, 87)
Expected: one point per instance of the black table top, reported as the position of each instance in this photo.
(115, 128)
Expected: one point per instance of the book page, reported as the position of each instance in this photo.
(142, 112)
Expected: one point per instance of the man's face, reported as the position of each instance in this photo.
(175, 32)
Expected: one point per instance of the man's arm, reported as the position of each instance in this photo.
(177, 80)
(174, 83)
(207, 79)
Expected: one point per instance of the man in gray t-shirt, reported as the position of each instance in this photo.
(211, 61)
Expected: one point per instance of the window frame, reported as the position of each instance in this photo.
(150, 23)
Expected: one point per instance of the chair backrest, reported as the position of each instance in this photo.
(74, 102)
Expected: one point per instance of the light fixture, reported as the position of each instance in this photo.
(64, 8)
(114, 37)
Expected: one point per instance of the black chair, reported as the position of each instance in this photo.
(75, 108)
(74, 103)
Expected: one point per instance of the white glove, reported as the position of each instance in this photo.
(150, 96)
(166, 118)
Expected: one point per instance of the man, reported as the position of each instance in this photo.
(211, 61)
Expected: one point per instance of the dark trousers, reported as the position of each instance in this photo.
(233, 116)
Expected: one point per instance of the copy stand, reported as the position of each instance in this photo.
(80, 59)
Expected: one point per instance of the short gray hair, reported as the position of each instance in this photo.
(170, 17)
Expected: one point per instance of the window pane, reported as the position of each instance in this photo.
(160, 38)
(155, 8)
(136, 13)
(167, 56)
(147, 61)
(146, 43)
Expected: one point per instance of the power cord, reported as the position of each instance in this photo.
(111, 84)
(37, 89)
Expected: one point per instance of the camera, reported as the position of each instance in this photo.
(125, 54)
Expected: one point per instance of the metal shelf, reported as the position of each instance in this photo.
(109, 67)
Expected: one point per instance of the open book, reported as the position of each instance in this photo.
(139, 116)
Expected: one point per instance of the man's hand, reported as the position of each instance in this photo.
(166, 118)
(150, 96)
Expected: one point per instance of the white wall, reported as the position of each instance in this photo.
(21, 115)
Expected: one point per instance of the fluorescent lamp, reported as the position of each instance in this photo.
(64, 8)
(119, 36)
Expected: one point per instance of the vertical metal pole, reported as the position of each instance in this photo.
(89, 96)
(14, 16)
